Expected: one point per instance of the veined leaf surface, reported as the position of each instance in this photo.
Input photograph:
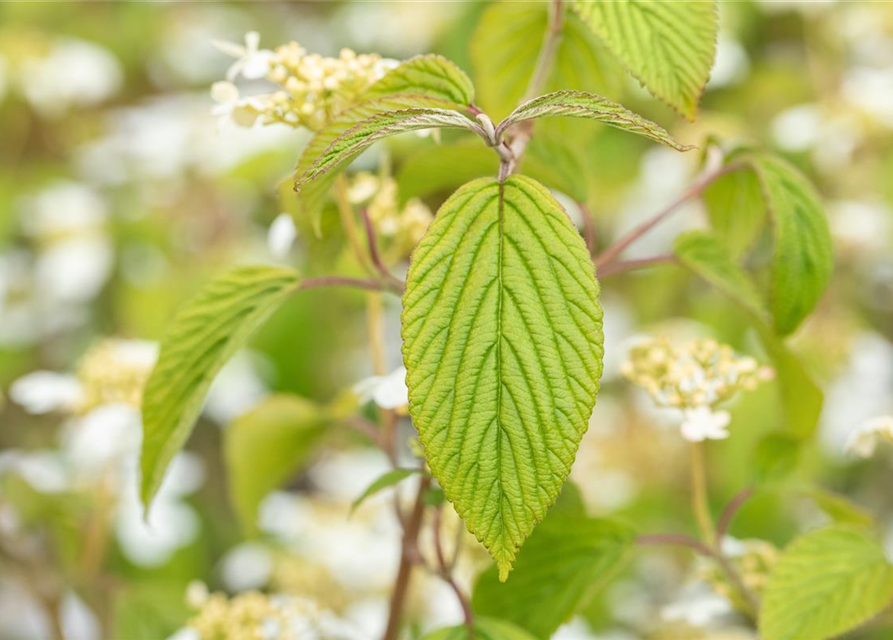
(668, 46)
(429, 75)
(202, 337)
(503, 340)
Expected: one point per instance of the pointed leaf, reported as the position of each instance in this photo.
(386, 480)
(503, 345)
(266, 446)
(668, 46)
(803, 254)
(484, 629)
(427, 75)
(579, 104)
(736, 209)
(377, 127)
(202, 337)
(567, 558)
(827, 582)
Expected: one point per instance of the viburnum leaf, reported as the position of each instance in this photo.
(668, 46)
(803, 259)
(827, 582)
(736, 209)
(502, 336)
(484, 629)
(427, 75)
(202, 337)
(566, 559)
(579, 104)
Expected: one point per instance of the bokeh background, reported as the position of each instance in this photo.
(121, 194)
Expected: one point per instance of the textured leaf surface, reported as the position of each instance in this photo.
(381, 483)
(563, 562)
(505, 46)
(428, 75)
(267, 446)
(203, 335)
(579, 104)
(377, 127)
(484, 629)
(736, 209)
(803, 259)
(503, 345)
(668, 46)
(826, 582)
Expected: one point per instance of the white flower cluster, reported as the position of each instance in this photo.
(694, 377)
(863, 441)
(312, 88)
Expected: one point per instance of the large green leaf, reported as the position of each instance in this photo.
(579, 104)
(503, 346)
(803, 259)
(428, 75)
(484, 629)
(668, 46)
(801, 397)
(268, 445)
(203, 335)
(362, 135)
(504, 50)
(565, 560)
(736, 209)
(826, 582)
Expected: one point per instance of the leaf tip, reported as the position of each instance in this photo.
(504, 568)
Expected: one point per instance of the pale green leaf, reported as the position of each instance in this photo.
(736, 209)
(803, 260)
(564, 562)
(381, 483)
(702, 253)
(203, 335)
(827, 582)
(668, 46)
(266, 446)
(427, 75)
(504, 50)
(484, 629)
(503, 345)
(579, 104)
(837, 507)
(377, 127)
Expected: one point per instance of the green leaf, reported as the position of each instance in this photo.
(268, 445)
(484, 629)
(388, 479)
(505, 47)
(668, 46)
(427, 75)
(826, 582)
(442, 168)
(501, 289)
(362, 135)
(803, 259)
(566, 559)
(775, 457)
(736, 209)
(702, 253)
(579, 104)
(837, 507)
(202, 337)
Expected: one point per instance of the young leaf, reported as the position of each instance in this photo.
(203, 335)
(381, 125)
(484, 629)
(389, 479)
(668, 46)
(566, 559)
(579, 104)
(266, 446)
(502, 340)
(505, 47)
(736, 209)
(803, 255)
(826, 582)
(427, 75)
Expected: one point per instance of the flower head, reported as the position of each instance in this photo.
(251, 62)
(864, 439)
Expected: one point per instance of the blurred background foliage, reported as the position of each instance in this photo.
(120, 195)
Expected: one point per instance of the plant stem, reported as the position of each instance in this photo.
(346, 281)
(707, 177)
(408, 556)
(728, 514)
(630, 265)
(675, 539)
(446, 573)
(700, 502)
(349, 223)
(374, 253)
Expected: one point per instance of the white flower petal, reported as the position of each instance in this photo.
(46, 391)
(281, 235)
